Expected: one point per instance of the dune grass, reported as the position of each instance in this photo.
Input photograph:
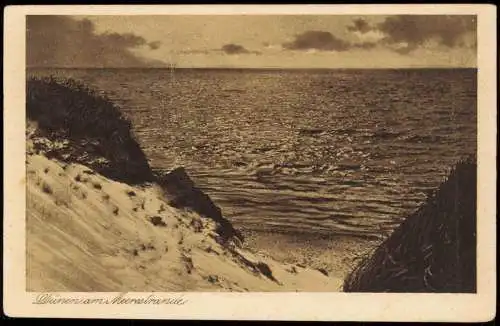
(433, 250)
(99, 134)
(69, 107)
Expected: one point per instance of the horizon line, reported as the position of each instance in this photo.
(252, 68)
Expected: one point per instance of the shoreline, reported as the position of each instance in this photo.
(336, 254)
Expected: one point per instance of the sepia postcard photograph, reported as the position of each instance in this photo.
(285, 162)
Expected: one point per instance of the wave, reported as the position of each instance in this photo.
(421, 138)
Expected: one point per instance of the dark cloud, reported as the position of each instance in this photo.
(63, 41)
(154, 45)
(402, 34)
(406, 33)
(232, 48)
(318, 40)
(415, 30)
(127, 40)
(360, 25)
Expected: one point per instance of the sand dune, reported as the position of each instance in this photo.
(88, 233)
(99, 220)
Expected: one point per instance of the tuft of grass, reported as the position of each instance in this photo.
(131, 193)
(157, 221)
(265, 270)
(97, 185)
(115, 211)
(197, 225)
(46, 188)
(188, 263)
(144, 247)
(105, 197)
(78, 178)
(46, 170)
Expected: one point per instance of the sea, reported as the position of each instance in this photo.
(343, 153)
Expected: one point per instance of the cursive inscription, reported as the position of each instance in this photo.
(122, 298)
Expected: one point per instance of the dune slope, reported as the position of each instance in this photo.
(89, 233)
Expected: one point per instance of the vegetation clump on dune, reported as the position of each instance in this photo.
(433, 250)
(76, 124)
(182, 192)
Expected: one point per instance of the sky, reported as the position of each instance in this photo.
(252, 41)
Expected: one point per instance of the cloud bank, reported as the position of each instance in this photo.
(325, 41)
(402, 34)
(55, 41)
(406, 33)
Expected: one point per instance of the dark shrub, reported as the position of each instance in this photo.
(433, 250)
(99, 134)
